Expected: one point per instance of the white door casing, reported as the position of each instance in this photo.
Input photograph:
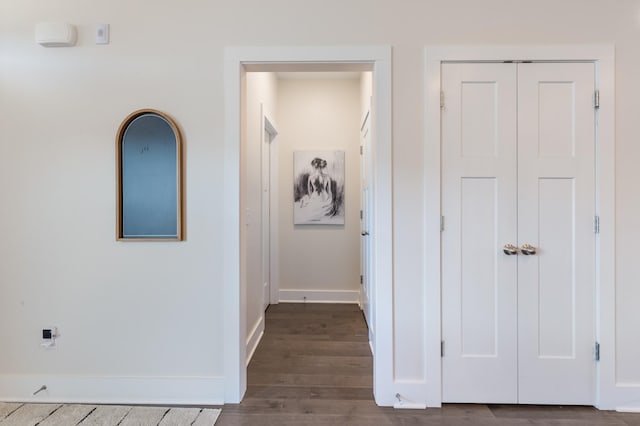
(239, 60)
(518, 327)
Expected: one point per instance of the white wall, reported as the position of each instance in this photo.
(366, 92)
(151, 312)
(139, 321)
(261, 98)
(319, 262)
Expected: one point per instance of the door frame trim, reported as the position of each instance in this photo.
(603, 56)
(237, 60)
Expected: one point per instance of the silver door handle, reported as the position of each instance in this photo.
(364, 233)
(528, 250)
(510, 249)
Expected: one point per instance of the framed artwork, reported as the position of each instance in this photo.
(149, 199)
(318, 187)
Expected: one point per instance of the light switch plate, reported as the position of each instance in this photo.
(102, 34)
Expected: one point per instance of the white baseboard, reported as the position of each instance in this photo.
(253, 340)
(628, 409)
(627, 398)
(113, 390)
(319, 296)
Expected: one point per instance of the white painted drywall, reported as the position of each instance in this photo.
(319, 262)
(366, 92)
(150, 310)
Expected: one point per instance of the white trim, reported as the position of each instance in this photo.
(347, 58)
(181, 390)
(634, 409)
(603, 56)
(319, 296)
(234, 291)
(254, 338)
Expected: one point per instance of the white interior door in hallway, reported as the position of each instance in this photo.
(266, 208)
(518, 245)
(366, 289)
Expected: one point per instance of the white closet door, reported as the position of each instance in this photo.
(479, 193)
(518, 164)
(556, 286)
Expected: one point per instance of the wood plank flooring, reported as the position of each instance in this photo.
(103, 415)
(314, 367)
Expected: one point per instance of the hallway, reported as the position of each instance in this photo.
(314, 367)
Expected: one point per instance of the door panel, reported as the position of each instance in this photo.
(556, 287)
(556, 124)
(479, 281)
(479, 188)
(556, 283)
(479, 133)
(366, 290)
(266, 218)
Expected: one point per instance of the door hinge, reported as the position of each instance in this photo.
(596, 224)
(442, 348)
(596, 99)
(596, 352)
(361, 149)
(361, 279)
(441, 223)
(441, 99)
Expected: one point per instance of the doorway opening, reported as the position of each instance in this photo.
(304, 198)
(244, 334)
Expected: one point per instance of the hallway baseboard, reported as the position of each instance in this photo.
(319, 296)
(254, 338)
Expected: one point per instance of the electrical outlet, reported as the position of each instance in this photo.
(49, 336)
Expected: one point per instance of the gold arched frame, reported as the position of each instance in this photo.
(120, 185)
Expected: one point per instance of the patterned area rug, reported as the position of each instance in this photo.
(17, 414)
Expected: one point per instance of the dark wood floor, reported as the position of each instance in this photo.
(314, 367)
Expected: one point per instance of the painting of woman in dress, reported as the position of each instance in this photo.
(318, 188)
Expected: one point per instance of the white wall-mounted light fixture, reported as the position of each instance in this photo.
(55, 34)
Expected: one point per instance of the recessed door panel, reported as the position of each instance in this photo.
(479, 281)
(556, 280)
(479, 118)
(557, 115)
